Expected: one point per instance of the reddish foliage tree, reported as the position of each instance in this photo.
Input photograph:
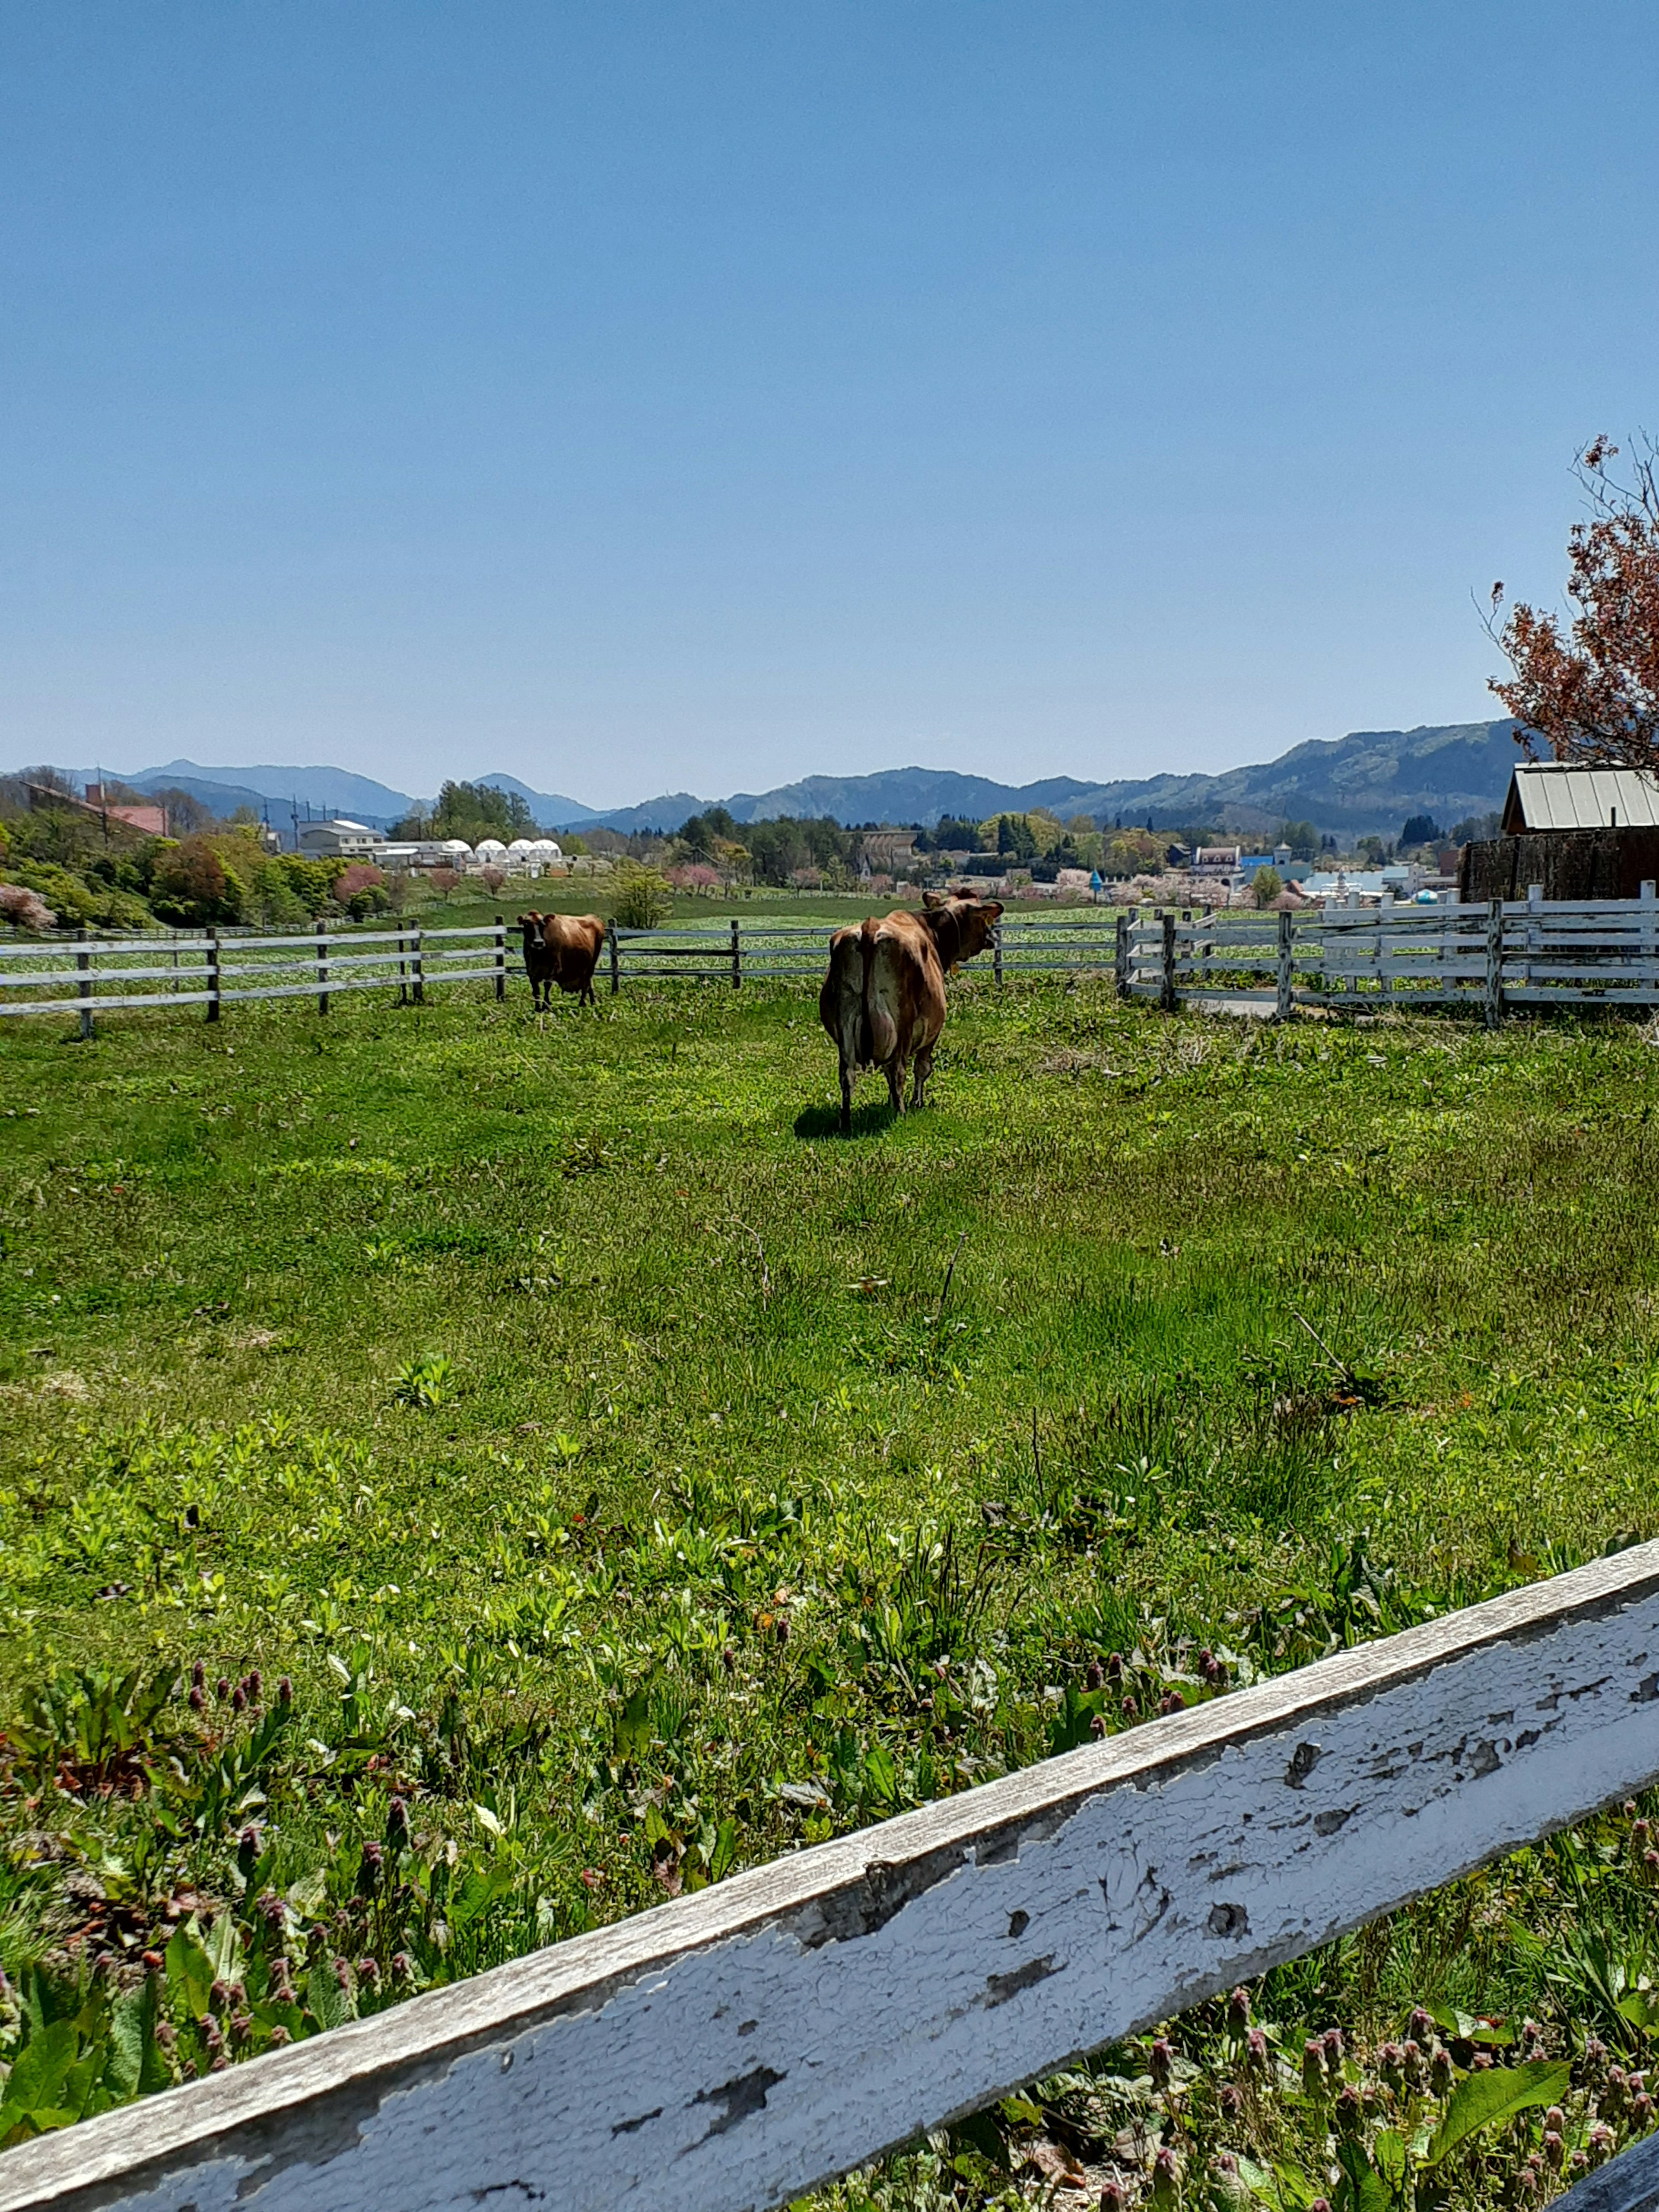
(193, 888)
(360, 876)
(1594, 695)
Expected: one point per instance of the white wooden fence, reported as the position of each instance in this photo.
(734, 2049)
(1521, 954)
(212, 970)
(1489, 959)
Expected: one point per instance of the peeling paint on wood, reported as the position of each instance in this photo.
(728, 2051)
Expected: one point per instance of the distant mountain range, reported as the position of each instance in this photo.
(1362, 784)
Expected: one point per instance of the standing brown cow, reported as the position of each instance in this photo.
(563, 949)
(883, 1000)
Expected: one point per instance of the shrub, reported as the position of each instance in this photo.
(194, 888)
(1265, 886)
(644, 898)
(310, 882)
(362, 890)
(24, 909)
(75, 902)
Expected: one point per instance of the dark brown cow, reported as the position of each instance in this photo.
(563, 949)
(883, 1000)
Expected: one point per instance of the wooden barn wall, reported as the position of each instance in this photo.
(1570, 863)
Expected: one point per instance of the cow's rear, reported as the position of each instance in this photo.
(883, 1000)
(840, 1009)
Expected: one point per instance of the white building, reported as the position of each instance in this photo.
(424, 853)
(338, 840)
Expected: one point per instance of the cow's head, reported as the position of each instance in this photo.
(531, 925)
(960, 924)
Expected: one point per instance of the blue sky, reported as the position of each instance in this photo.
(633, 398)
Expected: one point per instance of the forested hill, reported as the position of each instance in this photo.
(1368, 781)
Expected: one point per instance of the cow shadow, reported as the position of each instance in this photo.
(815, 1122)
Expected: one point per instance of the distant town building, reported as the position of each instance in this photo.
(338, 840)
(1217, 860)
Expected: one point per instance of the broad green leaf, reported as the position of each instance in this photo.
(1280, 2187)
(39, 2072)
(1362, 2188)
(633, 1727)
(134, 2065)
(309, 1895)
(1496, 2033)
(1497, 2094)
(726, 1850)
(189, 1970)
(880, 1772)
(224, 1949)
(1388, 2156)
(328, 2005)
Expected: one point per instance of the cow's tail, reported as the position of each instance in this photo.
(840, 1003)
(883, 1001)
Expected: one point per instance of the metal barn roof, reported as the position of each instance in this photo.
(1555, 795)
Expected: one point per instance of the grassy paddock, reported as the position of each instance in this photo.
(585, 1433)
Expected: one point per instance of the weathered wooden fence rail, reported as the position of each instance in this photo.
(1490, 960)
(733, 2048)
(157, 973)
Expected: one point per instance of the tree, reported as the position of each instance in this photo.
(1265, 886)
(472, 811)
(1302, 838)
(1594, 695)
(193, 888)
(1421, 830)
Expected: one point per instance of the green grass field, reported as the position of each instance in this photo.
(586, 1432)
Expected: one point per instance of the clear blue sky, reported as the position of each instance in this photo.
(648, 397)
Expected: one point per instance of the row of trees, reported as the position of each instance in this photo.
(87, 873)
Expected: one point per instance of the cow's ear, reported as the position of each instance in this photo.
(993, 911)
(932, 898)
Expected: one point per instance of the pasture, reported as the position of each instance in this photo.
(627, 1477)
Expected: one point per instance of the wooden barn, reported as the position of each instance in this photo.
(1580, 833)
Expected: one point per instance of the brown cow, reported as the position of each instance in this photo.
(563, 949)
(883, 1000)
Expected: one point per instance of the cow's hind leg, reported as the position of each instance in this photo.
(895, 1072)
(924, 1069)
(846, 1100)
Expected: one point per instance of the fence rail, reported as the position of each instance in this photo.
(734, 2049)
(212, 970)
(1516, 954)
